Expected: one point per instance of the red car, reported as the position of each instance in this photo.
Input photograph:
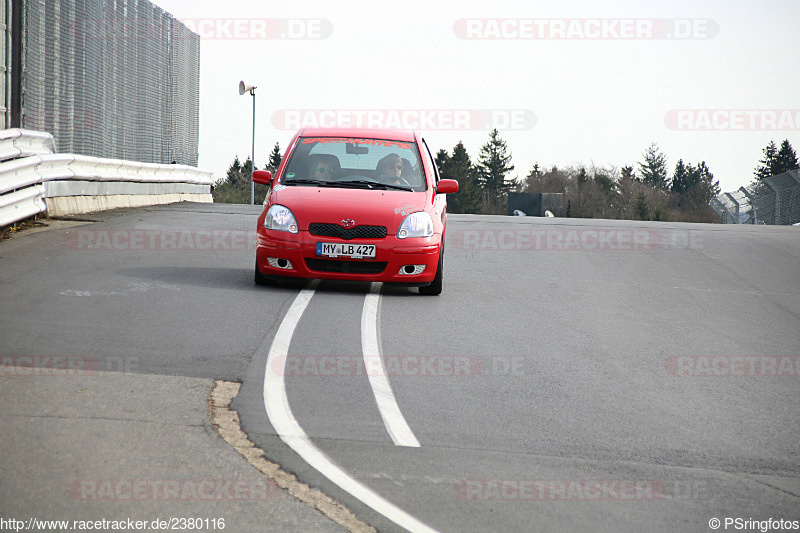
(354, 204)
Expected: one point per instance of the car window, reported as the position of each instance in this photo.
(341, 159)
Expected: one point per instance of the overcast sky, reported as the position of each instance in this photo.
(590, 83)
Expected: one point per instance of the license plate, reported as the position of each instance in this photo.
(339, 249)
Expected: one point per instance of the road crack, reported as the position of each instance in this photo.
(226, 421)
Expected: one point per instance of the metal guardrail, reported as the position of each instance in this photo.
(33, 178)
(15, 143)
(773, 200)
(21, 204)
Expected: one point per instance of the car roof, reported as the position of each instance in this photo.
(367, 133)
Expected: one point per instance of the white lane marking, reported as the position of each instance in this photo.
(393, 419)
(280, 416)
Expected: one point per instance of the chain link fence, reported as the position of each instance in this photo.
(775, 200)
(110, 78)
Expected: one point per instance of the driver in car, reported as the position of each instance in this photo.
(321, 171)
(390, 169)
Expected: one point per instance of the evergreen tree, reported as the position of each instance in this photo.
(627, 173)
(234, 170)
(605, 182)
(441, 160)
(703, 186)
(694, 186)
(786, 159)
(681, 178)
(642, 210)
(595, 193)
(627, 185)
(533, 180)
(238, 173)
(274, 158)
(494, 164)
(579, 194)
(769, 164)
(654, 167)
(459, 167)
(582, 176)
(546, 181)
(234, 188)
(247, 171)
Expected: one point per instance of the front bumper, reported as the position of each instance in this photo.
(301, 251)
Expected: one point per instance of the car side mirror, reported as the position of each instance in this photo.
(446, 187)
(263, 177)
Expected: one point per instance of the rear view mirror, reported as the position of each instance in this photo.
(355, 149)
(262, 176)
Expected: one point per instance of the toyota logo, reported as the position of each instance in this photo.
(348, 223)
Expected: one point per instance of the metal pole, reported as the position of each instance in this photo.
(253, 157)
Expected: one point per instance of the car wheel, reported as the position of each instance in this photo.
(261, 279)
(435, 288)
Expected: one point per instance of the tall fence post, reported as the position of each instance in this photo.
(772, 200)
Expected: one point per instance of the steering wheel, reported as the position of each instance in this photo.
(393, 180)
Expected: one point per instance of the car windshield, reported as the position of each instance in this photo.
(355, 162)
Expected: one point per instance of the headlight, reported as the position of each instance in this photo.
(417, 224)
(280, 218)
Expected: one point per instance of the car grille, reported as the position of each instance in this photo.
(346, 267)
(359, 232)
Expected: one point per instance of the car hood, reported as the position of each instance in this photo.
(366, 207)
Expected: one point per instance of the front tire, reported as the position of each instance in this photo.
(435, 288)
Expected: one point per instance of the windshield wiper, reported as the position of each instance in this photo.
(396, 187)
(357, 183)
(373, 184)
(321, 183)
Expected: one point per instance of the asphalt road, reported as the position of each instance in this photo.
(574, 374)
